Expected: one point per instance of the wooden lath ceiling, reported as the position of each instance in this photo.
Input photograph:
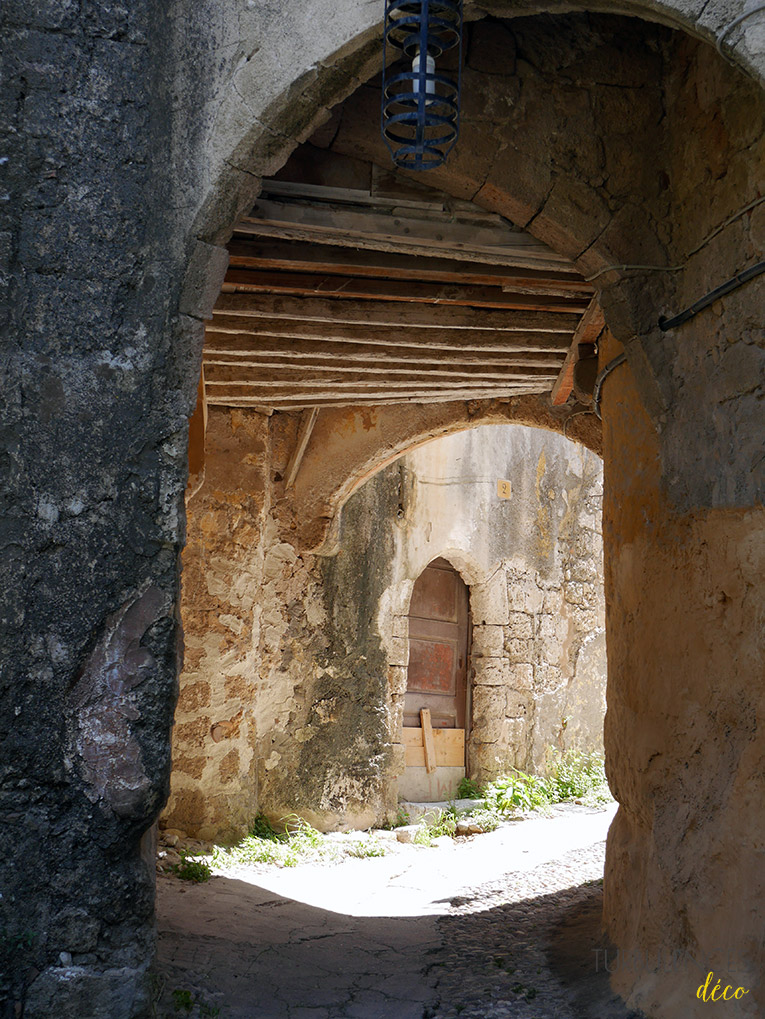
(398, 293)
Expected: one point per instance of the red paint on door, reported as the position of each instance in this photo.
(438, 638)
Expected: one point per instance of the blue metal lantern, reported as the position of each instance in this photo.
(420, 104)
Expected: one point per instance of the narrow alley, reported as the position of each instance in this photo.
(505, 925)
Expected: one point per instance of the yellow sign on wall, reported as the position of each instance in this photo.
(504, 490)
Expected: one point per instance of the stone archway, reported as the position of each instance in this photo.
(671, 374)
(104, 315)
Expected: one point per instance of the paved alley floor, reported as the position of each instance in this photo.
(504, 924)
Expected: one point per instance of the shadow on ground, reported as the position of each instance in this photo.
(233, 946)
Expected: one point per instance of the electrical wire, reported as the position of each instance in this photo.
(689, 256)
(734, 24)
(602, 376)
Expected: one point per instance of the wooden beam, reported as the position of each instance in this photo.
(292, 404)
(215, 364)
(589, 329)
(344, 375)
(353, 287)
(239, 334)
(302, 397)
(427, 740)
(406, 231)
(395, 315)
(307, 421)
(265, 352)
(286, 189)
(334, 260)
(364, 384)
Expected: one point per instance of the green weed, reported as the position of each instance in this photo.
(365, 848)
(190, 869)
(468, 789)
(571, 775)
(298, 841)
(183, 1001)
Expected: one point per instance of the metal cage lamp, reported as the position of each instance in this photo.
(420, 105)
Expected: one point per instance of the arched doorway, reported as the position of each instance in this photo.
(436, 712)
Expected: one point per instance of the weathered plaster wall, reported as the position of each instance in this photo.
(533, 563)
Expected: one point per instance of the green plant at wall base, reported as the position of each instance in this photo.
(401, 818)
(468, 789)
(190, 869)
(574, 773)
(263, 829)
(517, 791)
(299, 841)
(366, 848)
(183, 1001)
(571, 775)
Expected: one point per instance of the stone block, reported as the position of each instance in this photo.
(547, 677)
(524, 596)
(488, 641)
(517, 705)
(520, 651)
(520, 626)
(397, 679)
(488, 702)
(489, 601)
(398, 652)
(490, 672)
(401, 627)
(520, 677)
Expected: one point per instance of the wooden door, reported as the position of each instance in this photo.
(438, 638)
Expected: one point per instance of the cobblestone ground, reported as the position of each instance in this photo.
(528, 947)
(521, 946)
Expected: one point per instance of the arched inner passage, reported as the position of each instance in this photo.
(634, 226)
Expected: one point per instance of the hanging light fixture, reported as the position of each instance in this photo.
(420, 104)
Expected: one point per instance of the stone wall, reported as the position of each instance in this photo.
(533, 564)
(292, 695)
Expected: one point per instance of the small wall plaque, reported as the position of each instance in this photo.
(504, 489)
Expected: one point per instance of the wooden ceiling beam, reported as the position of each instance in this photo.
(233, 338)
(288, 391)
(334, 260)
(478, 363)
(373, 400)
(398, 291)
(216, 374)
(394, 315)
(407, 230)
(589, 329)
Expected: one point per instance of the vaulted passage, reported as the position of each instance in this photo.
(614, 158)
